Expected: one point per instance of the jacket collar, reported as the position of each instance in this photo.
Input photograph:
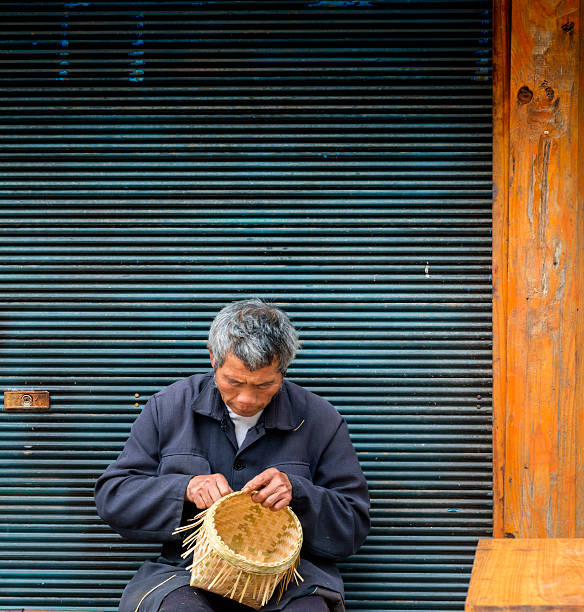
(279, 413)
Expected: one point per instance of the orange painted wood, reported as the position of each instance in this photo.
(501, 56)
(579, 430)
(527, 575)
(538, 275)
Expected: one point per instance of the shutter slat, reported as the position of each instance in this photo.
(158, 160)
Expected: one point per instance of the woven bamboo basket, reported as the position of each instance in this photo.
(242, 550)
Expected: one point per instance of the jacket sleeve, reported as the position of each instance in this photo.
(333, 508)
(131, 496)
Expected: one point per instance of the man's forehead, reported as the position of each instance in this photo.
(235, 368)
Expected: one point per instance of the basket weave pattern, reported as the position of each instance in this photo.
(242, 550)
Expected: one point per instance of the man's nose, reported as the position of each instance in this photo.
(247, 396)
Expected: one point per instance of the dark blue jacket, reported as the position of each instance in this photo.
(184, 430)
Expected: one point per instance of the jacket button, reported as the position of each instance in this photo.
(239, 465)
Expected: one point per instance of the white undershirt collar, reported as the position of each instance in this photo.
(242, 423)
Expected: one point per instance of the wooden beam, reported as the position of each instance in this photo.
(579, 426)
(538, 270)
(501, 56)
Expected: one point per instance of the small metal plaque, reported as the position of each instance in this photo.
(29, 401)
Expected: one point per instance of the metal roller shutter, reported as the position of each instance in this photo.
(158, 160)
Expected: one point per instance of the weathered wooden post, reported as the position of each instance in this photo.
(538, 249)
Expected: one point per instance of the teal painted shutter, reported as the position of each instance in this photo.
(158, 160)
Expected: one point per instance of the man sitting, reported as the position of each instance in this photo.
(241, 426)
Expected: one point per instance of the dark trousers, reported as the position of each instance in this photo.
(189, 599)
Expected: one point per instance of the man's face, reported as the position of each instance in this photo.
(244, 391)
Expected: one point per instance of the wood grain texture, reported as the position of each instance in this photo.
(501, 57)
(530, 575)
(579, 425)
(540, 303)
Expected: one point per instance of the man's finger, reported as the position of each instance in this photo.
(204, 490)
(262, 495)
(223, 486)
(280, 505)
(206, 497)
(277, 500)
(214, 492)
(260, 480)
(254, 484)
(199, 501)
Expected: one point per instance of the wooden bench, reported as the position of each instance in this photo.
(527, 575)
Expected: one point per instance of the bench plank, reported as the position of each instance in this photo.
(527, 575)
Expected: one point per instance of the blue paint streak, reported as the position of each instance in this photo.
(340, 4)
(137, 76)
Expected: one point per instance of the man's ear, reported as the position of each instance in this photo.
(212, 358)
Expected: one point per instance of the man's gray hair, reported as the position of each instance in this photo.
(256, 333)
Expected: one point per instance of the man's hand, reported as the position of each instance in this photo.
(274, 490)
(205, 490)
